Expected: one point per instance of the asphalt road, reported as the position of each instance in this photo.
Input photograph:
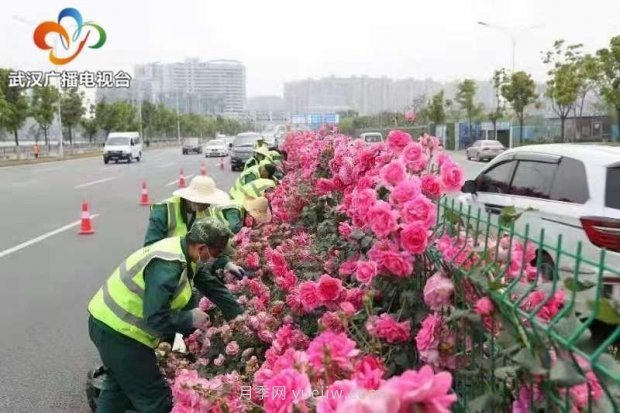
(45, 351)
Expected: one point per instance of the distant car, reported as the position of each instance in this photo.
(122, 146)
(216, 147)
(573, 191)
(242, 149)
(484, 149)
(370, 138)
(192, 145)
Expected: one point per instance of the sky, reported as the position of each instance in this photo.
(280, 41)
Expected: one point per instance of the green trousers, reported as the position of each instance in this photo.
(133, 379)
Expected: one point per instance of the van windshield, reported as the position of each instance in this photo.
(117, 141)
(373, 138)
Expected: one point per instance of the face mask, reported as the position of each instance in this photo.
(209, 261)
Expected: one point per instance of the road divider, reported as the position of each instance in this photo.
(100, 181)
(42, 237)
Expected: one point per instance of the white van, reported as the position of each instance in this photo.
(122, 146)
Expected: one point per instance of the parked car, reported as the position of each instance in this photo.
(484, 149)
(216, 147)
(242, 149)
(573, 190)
(122, 146)
(371, 138)
(192, 145)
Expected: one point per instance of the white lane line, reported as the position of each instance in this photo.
(94, 182)
(42, 237)
(166, 165)
(176, 180)
(54, 168)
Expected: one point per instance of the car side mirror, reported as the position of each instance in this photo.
(469, 187)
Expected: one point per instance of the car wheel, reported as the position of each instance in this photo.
(477, 158)
(139, 157)
(130, 159)
(467, 155)
(105, 161)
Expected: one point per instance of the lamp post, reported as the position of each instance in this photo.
(512, 35)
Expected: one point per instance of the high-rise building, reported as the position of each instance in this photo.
(212, 87)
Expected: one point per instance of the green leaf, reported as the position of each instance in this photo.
(503, 373)
(577, 286)
(612, 366)
(488, 402)
(565, 374)
(567, 326)
(529, 362)
(402, 360)
(357, 234)
(607, 312)
(463, 314)
(478, 278)
(366, 241)
(509, 215)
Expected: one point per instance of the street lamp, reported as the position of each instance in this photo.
(511, 33)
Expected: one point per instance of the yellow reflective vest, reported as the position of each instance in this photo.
(119, 302)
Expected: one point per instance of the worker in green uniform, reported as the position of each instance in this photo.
(254, 181)
(260, 155)
(251, 211)
(145, 299)
(260, 142)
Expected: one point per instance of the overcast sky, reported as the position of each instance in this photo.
(283, 40)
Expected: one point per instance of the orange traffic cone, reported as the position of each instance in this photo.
(181, 179)
(144, 196)
(86, 227)
(203, 169)
(221, 163)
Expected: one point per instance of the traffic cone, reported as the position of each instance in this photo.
(144, 196)
(181, 179)
(86, 226)
(221, 163)
(203, 169)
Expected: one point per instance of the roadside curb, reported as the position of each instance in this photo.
(18, 162)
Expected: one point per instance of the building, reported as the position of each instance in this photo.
(191, 86)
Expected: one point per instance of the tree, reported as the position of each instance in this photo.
(117, 116)
(609, 80)
(43, 107)
(520, 91)
(435, 110)
(498, 112)
(564, 82)
(90, 124)
(71, 109)
(465, 94)
(14, 110)
(588, 73)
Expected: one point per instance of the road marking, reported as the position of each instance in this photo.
(54, 168)
(175, 181)
(94, 182)
(166, 165)
(42, 237)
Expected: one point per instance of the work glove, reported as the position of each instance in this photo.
(235, 270)
(199, 318)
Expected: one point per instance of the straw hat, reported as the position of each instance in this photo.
(258, 208)
(263, 151)
(202, 190)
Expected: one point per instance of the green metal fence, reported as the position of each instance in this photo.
(532, 355)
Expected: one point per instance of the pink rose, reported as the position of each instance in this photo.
(423, 390)
(388, 329)
(324, 186)
(286, 389)
(366, 271)
(344, 230)
(205, 304)
(369, 372)
(414, 238)
(219, 360)
(393, 173)
(406, 191)
(347, 268)
(340, 348)
(337, 393)
(397, 140)
(412, 153)
(438, 291)
(420, 209)
(430, 332)
(348, 308)
(381, 401)
(399, 264)
(363, 200)
(331, 321)
(431, 186)
(232, 348)
(382, 219)
(452, 177)
(484, 306)
(328, 288)
(309, 295)
(252, 261)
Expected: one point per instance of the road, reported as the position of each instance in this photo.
(50, 272)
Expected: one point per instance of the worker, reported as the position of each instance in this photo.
(260, 142)
(35, 151)
(260, 155)
(145, 299)
(255, 210)
(175, 215)
(256, 179)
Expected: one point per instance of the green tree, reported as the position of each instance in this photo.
(609, 80)
(564, 82)
(520, 91)
(90, 124)
(497, 113)
(149, 114)
(43, 107)
(465, 94)
(435, 111)
(117, 116)
(15, 106)
(71, 109)
(588, 72)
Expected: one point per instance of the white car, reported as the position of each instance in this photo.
(370, 138)
(484, 149)
(122, 146)
(216, 147)
(574, 192)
